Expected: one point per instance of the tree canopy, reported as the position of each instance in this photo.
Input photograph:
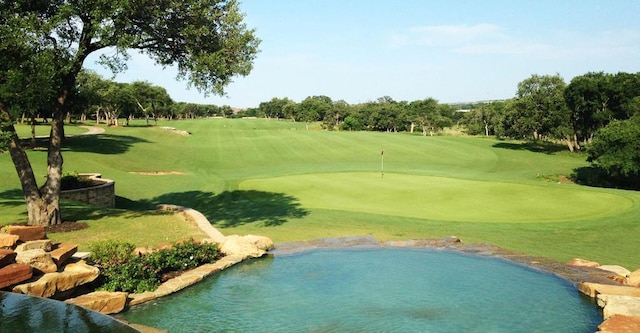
(44, 46)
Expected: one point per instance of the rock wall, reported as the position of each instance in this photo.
(102, 195)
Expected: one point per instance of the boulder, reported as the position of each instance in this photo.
(261, 242)
(14, 274)
(593, 289)
(619, 270)
(248, 247)
(73, 275)
(7, 240)
(164, 246)
(141, 250)
(26, 233)
(620, 324)
(7, 257)
(582, 263)
(42, 244)
(102, 301)
(63, 252)
(38, 259)
(619, 304)
(634, 278)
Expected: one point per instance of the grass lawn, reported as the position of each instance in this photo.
(274, 178)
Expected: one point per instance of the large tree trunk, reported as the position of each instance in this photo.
(42, 204)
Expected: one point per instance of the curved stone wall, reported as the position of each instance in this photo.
(103, 194)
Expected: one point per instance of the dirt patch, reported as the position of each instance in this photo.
(66, 227)
(157, 173)
(62, 227)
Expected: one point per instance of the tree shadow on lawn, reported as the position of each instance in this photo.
(597, 177)
(533, 146)
(12, 198)
(235, 208)
(101, 144)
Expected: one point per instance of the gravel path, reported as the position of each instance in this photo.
(92, 130)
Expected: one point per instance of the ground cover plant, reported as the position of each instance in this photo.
(123, 270)
(277, 179)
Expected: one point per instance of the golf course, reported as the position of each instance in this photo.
(278, 179)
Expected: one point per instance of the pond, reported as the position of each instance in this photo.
(375, 290)
(22, 313)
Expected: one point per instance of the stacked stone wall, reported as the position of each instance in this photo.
(103, 194)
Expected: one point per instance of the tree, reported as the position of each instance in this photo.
(587, 97)
(539, 111)
(484, 119)
(429, 115)
(616, 149)
(151, 100)
(205, 39)
(276, 107)
(315, 108)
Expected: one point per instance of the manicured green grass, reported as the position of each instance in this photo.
(274, 178)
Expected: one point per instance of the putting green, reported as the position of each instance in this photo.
(443, 198)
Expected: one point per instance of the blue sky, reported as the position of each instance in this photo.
(453, 51)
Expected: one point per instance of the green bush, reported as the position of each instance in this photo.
(71, 181)
(122, 270)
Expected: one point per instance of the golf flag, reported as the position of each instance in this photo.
(382, 153)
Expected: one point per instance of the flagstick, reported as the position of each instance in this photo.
(382, 166)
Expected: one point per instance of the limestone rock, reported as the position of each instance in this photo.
(7, 240)
(634, 279)
(619, 270)
(617, 304)
(63, 252)
(26, 233)
(14, 274)
(261, 242)
(620, 324)
(73, 275)
(102, 301)
(249, 247)
(594, 289)
(42, 244)
(140, 251)
(38, 259)
(7, 257)
(583, 263)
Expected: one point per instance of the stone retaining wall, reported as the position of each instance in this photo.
(102, 195)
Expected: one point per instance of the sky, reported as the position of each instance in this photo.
(453, 51)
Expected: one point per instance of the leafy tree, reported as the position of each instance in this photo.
(205, 39)
(588, 97)
(539, 111)
(151, 100)
(384, 114)
(339, 111)
(315, 108)
(485, 118)
(429, 115)
(276, 107)
(616, 149)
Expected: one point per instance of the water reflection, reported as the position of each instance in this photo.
(22, 313)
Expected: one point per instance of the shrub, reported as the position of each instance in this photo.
(71, 181)
(122, 270)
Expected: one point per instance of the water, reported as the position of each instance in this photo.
(374, 290)
(22, 313)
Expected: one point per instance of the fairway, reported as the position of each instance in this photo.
(275, 178)
(445, 199)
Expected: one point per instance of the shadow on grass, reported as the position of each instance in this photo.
(597, 177)
(533, 146)
(12, 198)
(230, 208)
(101, 144)
(227, 209)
